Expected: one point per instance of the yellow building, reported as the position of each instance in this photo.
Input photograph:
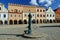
(15, 14)
(26, 10)
(40, 14)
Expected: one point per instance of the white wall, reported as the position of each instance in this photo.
(3, 18)
(52, 18)
(50, 12)
(2, 12)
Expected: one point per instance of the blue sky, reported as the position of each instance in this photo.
(46, 3)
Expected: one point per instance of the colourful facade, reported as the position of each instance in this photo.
(40, 14)
(57, 11)
(15, 13)
(50, 15)
(29, 9)
(18, 14)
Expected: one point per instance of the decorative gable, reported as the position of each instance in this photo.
(2, 8)
(50, 10)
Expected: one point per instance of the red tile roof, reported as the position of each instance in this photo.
(57, 11)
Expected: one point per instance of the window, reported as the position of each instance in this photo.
(37, 15)
(19, 15)
(12, 10)
(0, 8)
(22, 11)
(43, 15)
(11, 15)
(53, 15)
(47, 15)
(15, 15)
(33, 15)
(40, 10)
(50, 15)
(29, 10)
(37, 10)
(8, 10)
(15, 10)
(40, 15)
(19, 10)
(4, 15)
(43, 10)
(25, 15)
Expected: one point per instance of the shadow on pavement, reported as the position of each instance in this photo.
(12, 34)
(50, 26)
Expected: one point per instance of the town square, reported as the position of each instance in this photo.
(29, 22)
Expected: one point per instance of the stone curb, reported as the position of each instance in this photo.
(34, 36)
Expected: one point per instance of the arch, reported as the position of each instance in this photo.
(54, 21)
(10, 21)
(20, 22)
(40, 20)
(47, 21)
(44, 21)
(5, 22)
(33, 21)
(15, 21)
(50, 21)
(58, 21)
(25, 21)
(37, 21)
(1, 22)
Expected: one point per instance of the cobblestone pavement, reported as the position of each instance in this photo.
(52, 32)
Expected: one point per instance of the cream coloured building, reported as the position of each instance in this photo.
(40, 14)
(29, 9)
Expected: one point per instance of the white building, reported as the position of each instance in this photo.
(50, 15)
(3, 14)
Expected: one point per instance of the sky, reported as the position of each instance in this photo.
(45, 3)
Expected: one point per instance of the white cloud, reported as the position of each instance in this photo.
(48, 2)
(58, 5)
(33, 2)
(41, 1)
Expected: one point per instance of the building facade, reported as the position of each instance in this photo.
(3, 14)
(15, 14)
(57, 11)
(40, 14)
(50, 15)
(18, 14)
(26, 10)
